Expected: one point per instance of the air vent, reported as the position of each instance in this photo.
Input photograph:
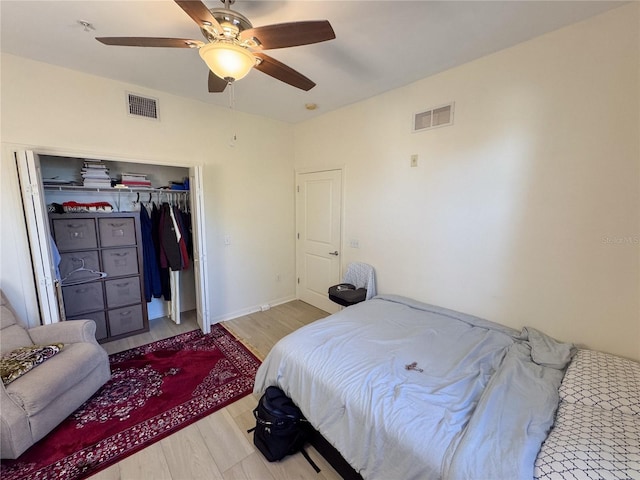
(435, 117)
(140, 106)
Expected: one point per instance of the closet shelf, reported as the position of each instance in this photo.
(80, 188)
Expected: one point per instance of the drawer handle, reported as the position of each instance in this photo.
(122, 285)
(74, 225)
(125, 314)
(119, 254)
(116, 225)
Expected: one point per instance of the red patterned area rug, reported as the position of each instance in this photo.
(154, 391)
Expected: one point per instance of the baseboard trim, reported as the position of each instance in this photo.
(250, 310)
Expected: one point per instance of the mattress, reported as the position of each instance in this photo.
(406, 390)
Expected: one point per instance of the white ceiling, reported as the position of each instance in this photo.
(379, 45)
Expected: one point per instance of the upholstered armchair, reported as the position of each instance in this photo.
(35, 402)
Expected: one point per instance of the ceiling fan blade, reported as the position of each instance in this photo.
(216, 84)
(291, 34)
(282, 72)
(200, 14)
(151, 42)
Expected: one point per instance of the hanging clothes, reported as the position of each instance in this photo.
(152, 283)
(171, 232)
(188, 233)
(170, 256)
(184, 256)
(55, 254)
(165, 282)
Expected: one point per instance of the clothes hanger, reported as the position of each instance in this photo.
(81, 268)
(148, 204)
(135, 204)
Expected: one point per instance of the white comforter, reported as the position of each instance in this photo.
(407, 391)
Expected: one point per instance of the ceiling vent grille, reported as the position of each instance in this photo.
(140, 106)
(435, 117)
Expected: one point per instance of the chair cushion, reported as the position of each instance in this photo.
(12, 335)
(346, 294)
(18, 362)
(34, 391)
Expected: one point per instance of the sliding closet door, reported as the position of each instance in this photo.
(199, 248)
(38, 231)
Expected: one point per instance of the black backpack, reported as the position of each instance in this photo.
(280, 429)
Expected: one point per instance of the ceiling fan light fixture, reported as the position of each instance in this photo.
(227, 60)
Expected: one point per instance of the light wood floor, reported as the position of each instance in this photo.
(218, 446)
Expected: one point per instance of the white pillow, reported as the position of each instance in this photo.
(602, 380)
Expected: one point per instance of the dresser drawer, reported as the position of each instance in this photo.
(75, 233)
(122, 291)
(79, 267)
(115, 232)
(120, 261)
(83, 298)
(101, 323)
(124, 320)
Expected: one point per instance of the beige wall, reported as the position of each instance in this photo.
(527, 210)
(248, 187)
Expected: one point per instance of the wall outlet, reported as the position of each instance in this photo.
(414, 160)
(227, 239)
(354, 243)
(265, 307)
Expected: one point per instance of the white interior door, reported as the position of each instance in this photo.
(39, 237)
(318, 246)
(199, 249)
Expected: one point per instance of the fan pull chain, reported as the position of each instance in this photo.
(232, 107)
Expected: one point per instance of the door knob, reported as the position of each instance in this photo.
(335, 254)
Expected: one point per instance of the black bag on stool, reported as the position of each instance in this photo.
(280, 429)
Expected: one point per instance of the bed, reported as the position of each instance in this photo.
(406, 390)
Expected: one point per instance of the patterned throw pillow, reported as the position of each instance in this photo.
(18, 362)
(603, 380)
(590, 442)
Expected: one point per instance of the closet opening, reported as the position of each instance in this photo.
(119, 242)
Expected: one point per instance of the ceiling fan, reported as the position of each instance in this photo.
(234, 46)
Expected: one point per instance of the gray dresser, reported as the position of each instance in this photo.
(101, 271)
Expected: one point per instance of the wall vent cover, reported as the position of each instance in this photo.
(140, 106)
(440, 116)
